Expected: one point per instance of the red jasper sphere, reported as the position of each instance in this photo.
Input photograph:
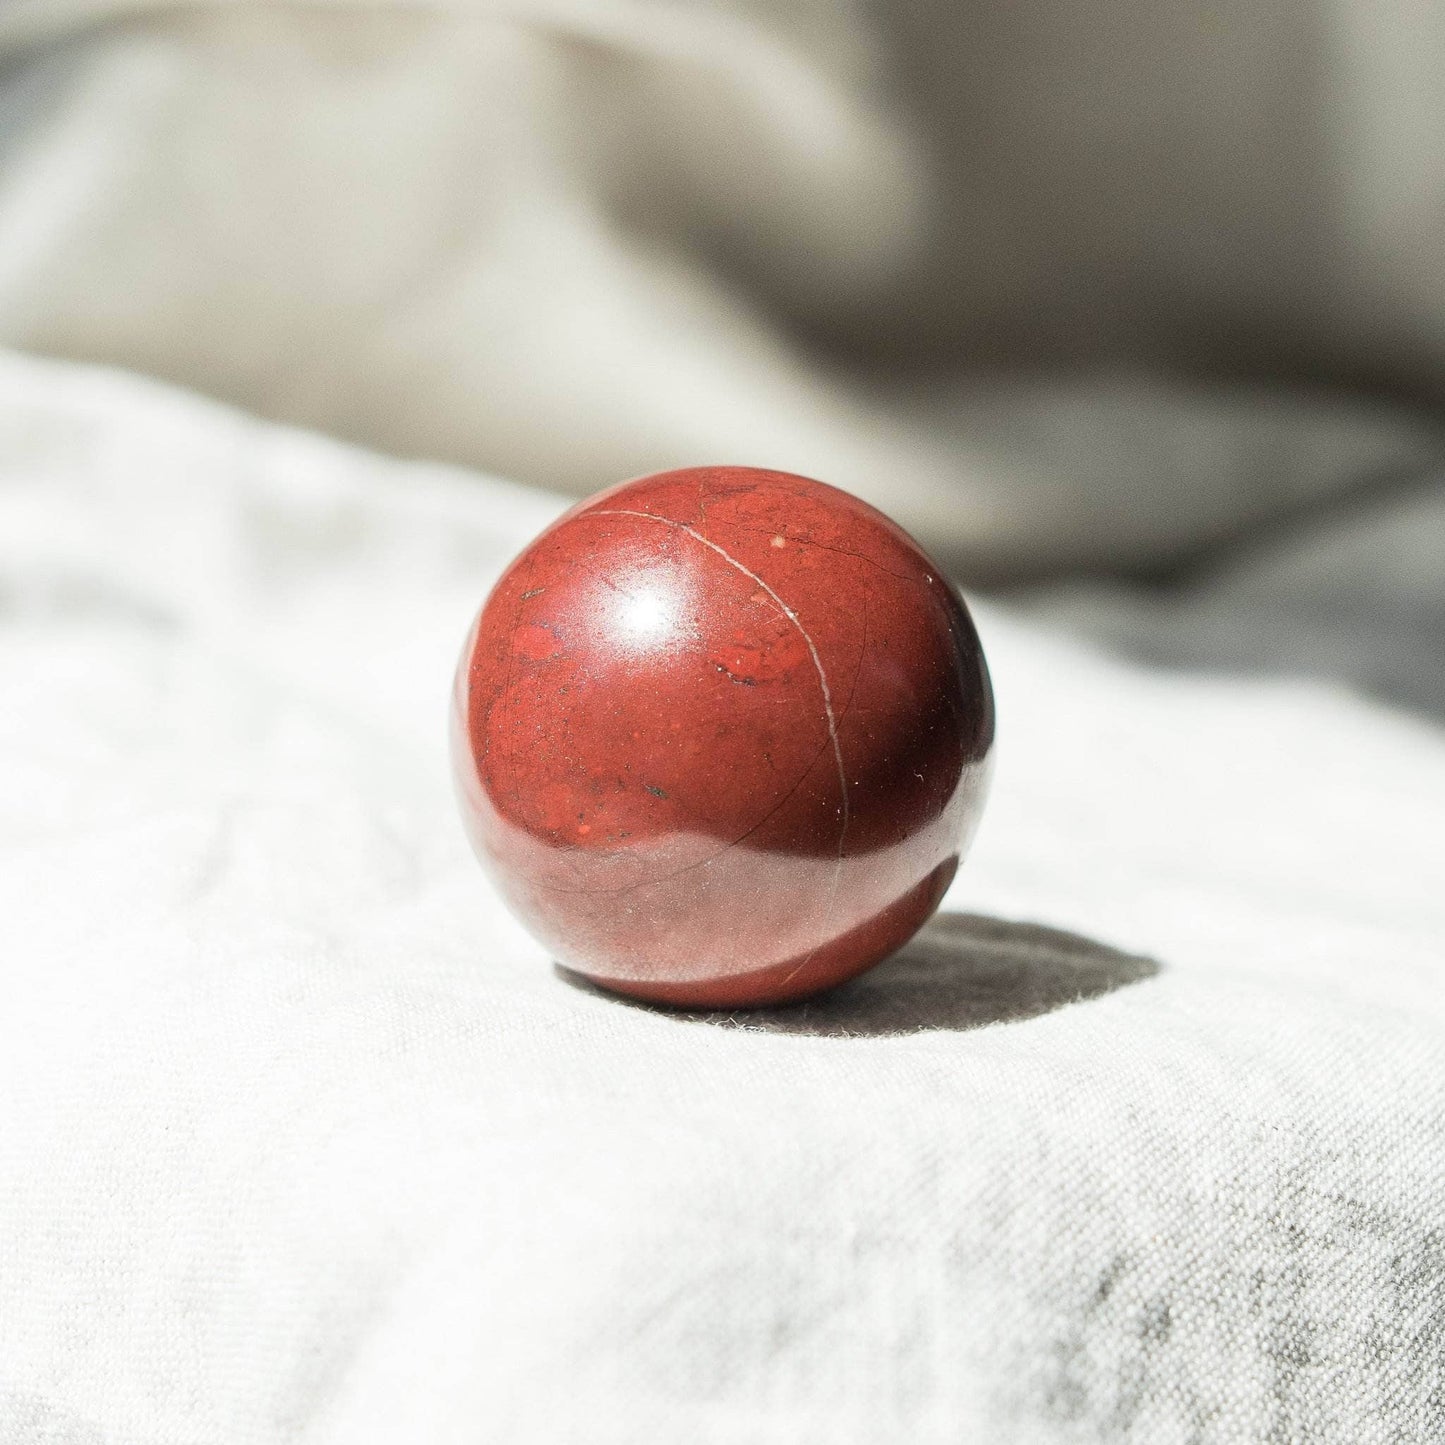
(721, 737)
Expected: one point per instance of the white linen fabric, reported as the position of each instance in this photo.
(304, 1140)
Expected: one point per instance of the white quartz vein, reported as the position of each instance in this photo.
(822, 683)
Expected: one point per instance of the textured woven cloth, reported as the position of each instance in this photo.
(1143, 1139)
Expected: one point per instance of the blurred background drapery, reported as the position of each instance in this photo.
(1141, 305)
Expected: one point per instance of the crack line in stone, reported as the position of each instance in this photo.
(822, 683)
(827, 547)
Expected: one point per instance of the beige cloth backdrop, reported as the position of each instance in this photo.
(570, 242)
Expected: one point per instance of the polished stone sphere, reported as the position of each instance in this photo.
(722, 736)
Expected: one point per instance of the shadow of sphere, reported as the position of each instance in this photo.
(961, 971)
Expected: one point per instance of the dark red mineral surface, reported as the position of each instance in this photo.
(722, 736)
